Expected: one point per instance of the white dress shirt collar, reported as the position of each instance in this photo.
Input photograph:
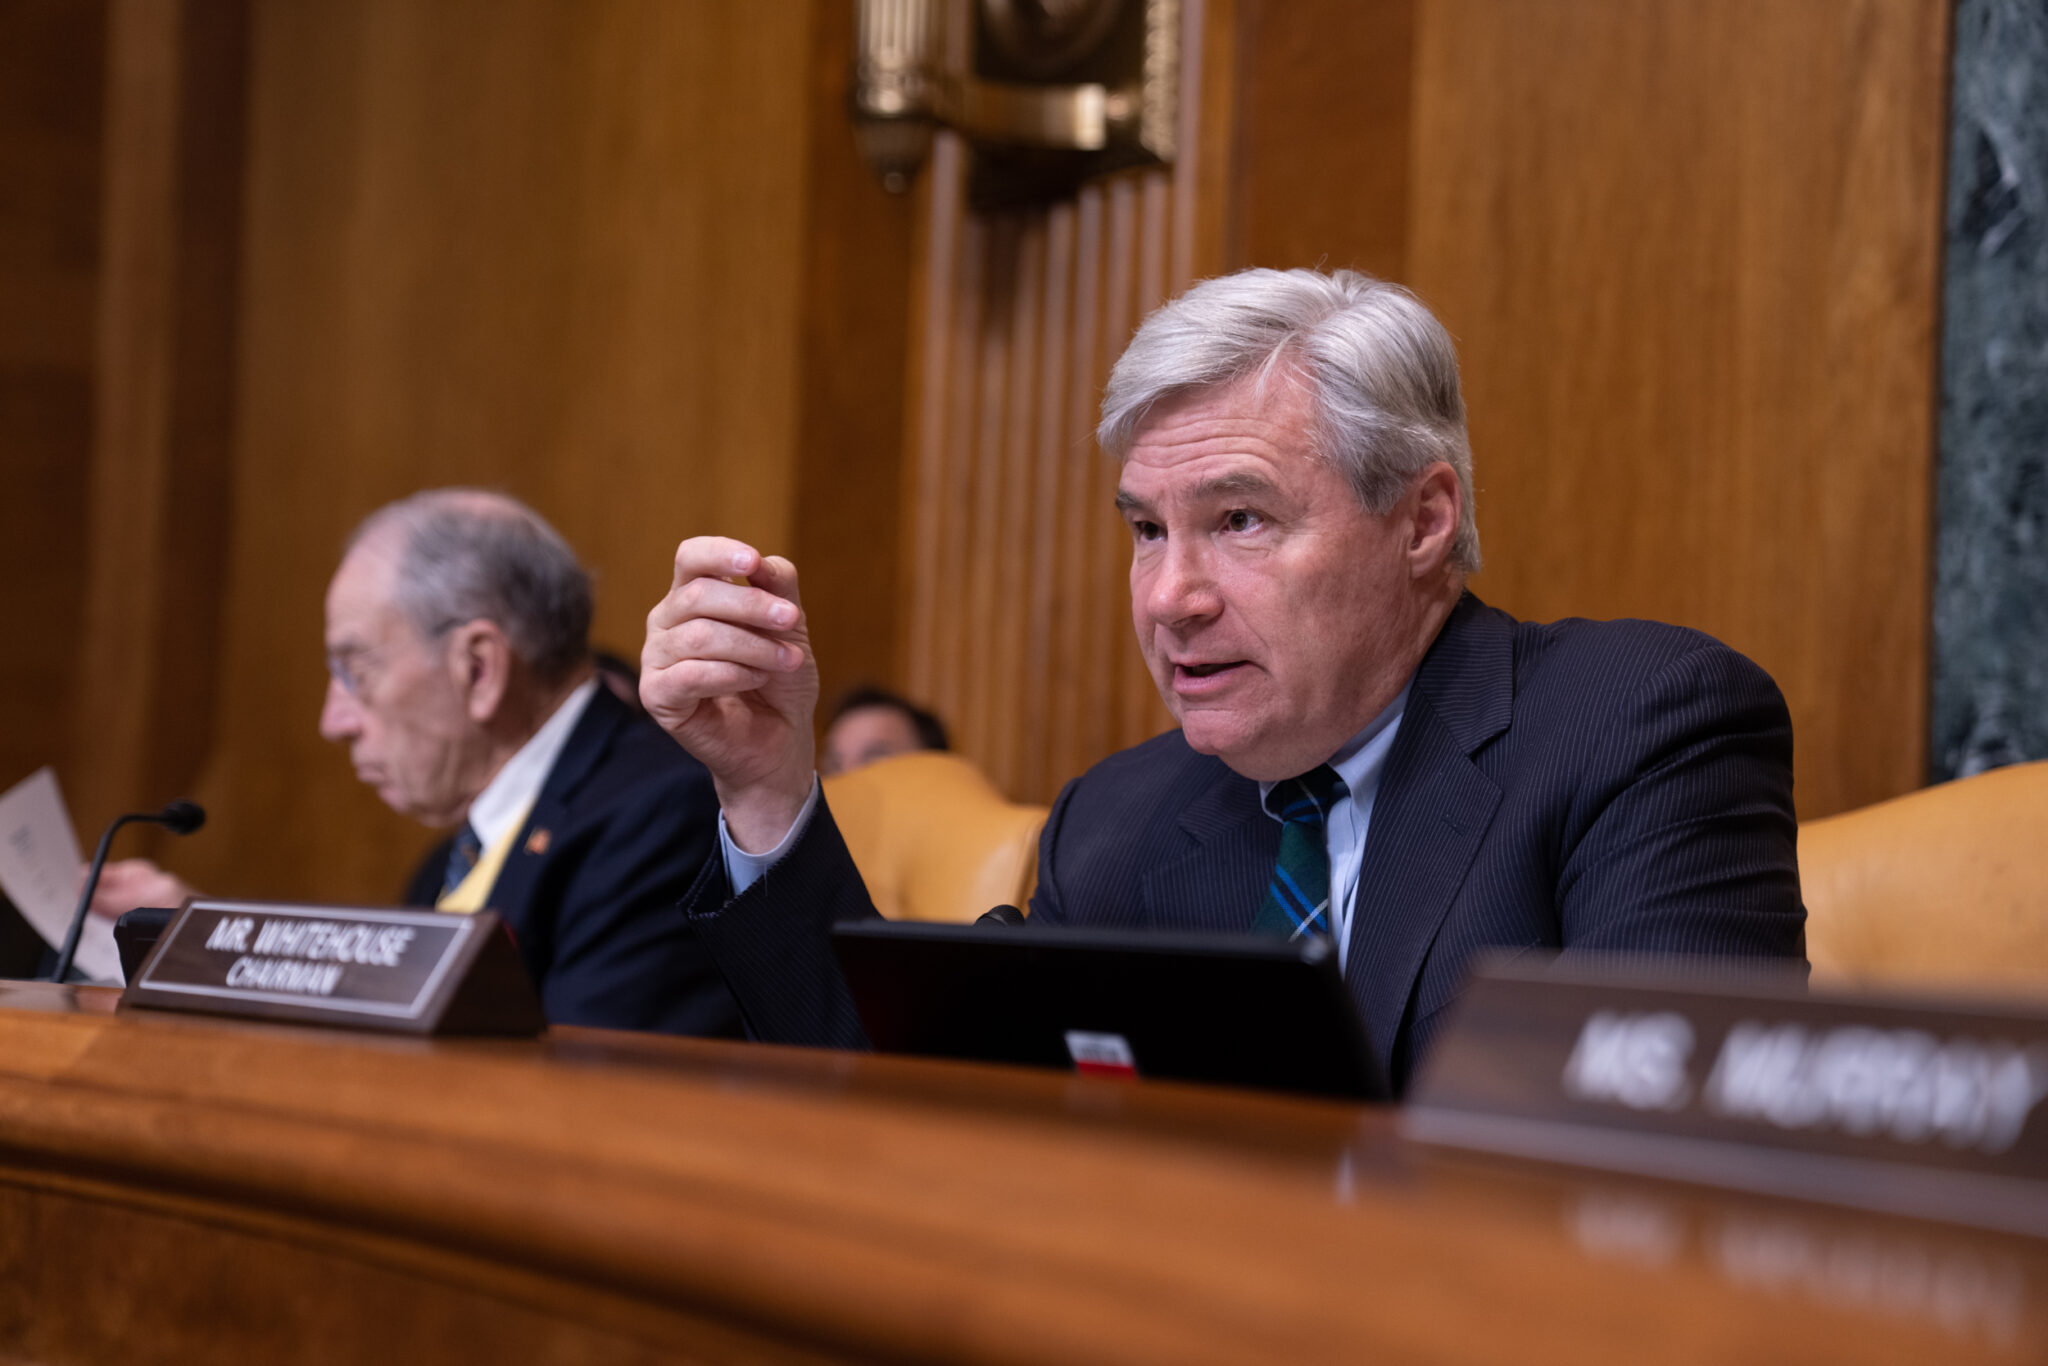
(510, 794)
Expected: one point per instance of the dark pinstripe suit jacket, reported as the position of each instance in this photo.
(1619, 786)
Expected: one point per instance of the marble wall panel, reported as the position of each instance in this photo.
(1990, 665)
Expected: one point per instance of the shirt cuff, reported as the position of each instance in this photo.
(743, 869)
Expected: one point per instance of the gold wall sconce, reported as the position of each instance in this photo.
(1048, 93)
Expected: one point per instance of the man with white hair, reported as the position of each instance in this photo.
(1365, 751)
(461, 680)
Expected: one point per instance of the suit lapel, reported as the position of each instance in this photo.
(1216, 885)
(1430, 813)
(512, 894)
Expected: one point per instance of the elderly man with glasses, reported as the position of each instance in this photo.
(462, 682)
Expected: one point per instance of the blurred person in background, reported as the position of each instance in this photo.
(873, 723)
(463, 683)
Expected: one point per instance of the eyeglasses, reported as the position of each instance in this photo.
(346, 666)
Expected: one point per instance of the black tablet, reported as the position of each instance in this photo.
(1234, 1010)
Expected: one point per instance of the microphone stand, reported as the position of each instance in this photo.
(180, 817)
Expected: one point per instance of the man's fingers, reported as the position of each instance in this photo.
(778, 576)
(714, 557)
(740, 604)
(709, 639)
(729, 624)
(695, 680)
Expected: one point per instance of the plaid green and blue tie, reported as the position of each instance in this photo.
(1298, 896)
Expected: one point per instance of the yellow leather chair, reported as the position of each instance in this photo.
(933, 838)
(1948, 885)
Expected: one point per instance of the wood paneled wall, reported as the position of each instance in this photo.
(267, 266)
(1688, 250)
(1015, 564)
(1691, 251)
(141, 712)
(501, 244)
(562, 249)
(618, 259)
(52, 58)
(1015, 559)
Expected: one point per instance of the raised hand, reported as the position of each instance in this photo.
(727, 670)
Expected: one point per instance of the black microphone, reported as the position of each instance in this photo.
(180, 817)
(1001, 915)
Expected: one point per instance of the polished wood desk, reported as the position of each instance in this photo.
(175, 1189)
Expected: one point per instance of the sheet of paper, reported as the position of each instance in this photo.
(39, 865)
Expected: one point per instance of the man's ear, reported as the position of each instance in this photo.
(1436, 501)
(481, 659)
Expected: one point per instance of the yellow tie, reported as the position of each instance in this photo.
(468, 896)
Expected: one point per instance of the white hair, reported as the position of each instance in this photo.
(1381, 373)
(472, 554)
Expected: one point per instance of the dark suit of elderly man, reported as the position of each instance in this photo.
(462, 683)
(1365, 749)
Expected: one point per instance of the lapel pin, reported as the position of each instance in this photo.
(538, 841)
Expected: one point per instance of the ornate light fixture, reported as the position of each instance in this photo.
(1048, 92)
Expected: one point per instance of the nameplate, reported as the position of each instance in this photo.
(1878, 1100)
(411, 972)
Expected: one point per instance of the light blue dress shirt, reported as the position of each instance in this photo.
(743, 869)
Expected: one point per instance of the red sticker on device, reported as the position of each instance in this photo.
(1101, 1055)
